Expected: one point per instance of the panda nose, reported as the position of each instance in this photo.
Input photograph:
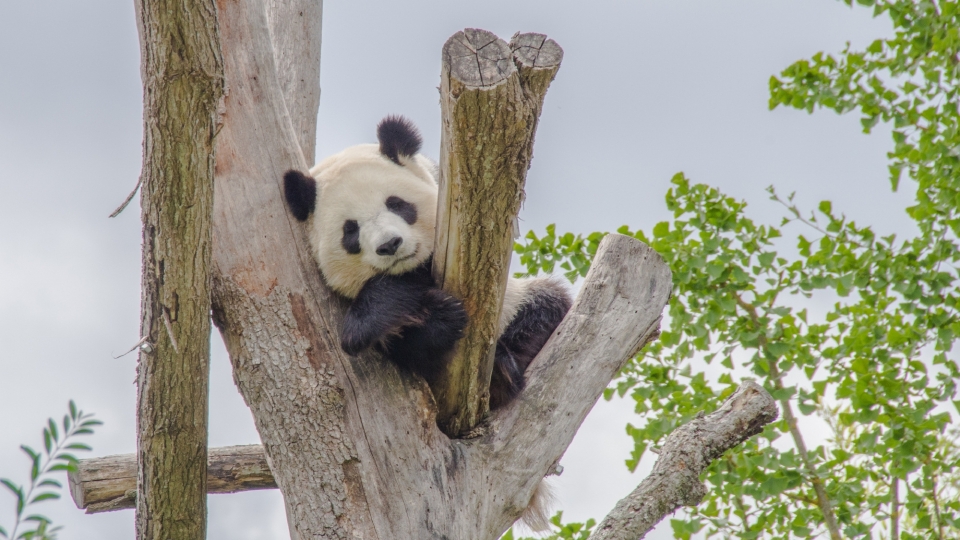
(390, 247)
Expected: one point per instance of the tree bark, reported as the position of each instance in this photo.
(110, 483)
(106, 484)
(685, 454)
(353, 443)
(182, 74)
(490, 110)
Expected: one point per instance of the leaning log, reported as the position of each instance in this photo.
(110, 483)
(491, 95)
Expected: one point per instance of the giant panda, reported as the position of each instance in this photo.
(370, 213)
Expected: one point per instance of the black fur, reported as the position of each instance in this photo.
(300, 191)
(351, 237)
(417, 325)
(398, 137)
(408, 318)
(402, 208)
(519, 344)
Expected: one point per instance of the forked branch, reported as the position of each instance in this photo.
(675, 479)
(491, 94)
(105, 484)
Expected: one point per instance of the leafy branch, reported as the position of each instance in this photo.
(57, 456)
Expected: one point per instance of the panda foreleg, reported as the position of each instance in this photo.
(383, 307)
(426, 348)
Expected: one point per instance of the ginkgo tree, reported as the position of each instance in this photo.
(876, 365)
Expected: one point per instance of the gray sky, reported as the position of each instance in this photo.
(647, 89)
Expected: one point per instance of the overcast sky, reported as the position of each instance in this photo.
(646, 89)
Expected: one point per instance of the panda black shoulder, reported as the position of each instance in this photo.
(398, 137)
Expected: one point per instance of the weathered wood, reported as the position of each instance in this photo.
(296, 25)
(110, 483)
(353, 443)
(106, 484)
(182, 73)
(416, 482)
(617, 311)
(491, 97)
(278, 320)
(687, 452)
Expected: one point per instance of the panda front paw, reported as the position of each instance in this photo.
(353, 341)
(448, 318)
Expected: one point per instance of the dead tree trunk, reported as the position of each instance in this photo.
(183, 84)
(106, 484)
(354, 444)
(491, 94)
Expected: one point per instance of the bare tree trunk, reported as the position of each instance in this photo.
(106, 484)
(352, 442)
(183, 84)
(491, 94)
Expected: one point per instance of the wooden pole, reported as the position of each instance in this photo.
(182, 72)
(491, 96)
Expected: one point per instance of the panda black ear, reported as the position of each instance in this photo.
(300, 191)
(398, 137)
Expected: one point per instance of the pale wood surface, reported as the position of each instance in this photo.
(675, 479)
(489, 110)
(354, 444)
(182, 73)
(107, 484)
(416, 482)
(110, 483)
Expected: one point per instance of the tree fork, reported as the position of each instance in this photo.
(107, 484)
(491, 95)
(183, 79)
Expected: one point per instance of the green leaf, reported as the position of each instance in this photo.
(661, 229)
(15, 489)
(45, 497)
(53, 429)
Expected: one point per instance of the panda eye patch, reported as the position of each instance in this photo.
(402, 208)
(351, 237)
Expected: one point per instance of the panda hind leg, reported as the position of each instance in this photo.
(543, 304)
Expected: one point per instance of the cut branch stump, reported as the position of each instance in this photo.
(352, 442)
(491, 95)
(110, 483)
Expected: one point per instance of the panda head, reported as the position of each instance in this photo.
(370, 209)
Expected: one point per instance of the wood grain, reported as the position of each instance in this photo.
(183, 83)
(687, 452)
(110, 483)
(491, 97)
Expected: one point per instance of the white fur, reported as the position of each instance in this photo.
(520, 290)
(536, 516)
(354, 184)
